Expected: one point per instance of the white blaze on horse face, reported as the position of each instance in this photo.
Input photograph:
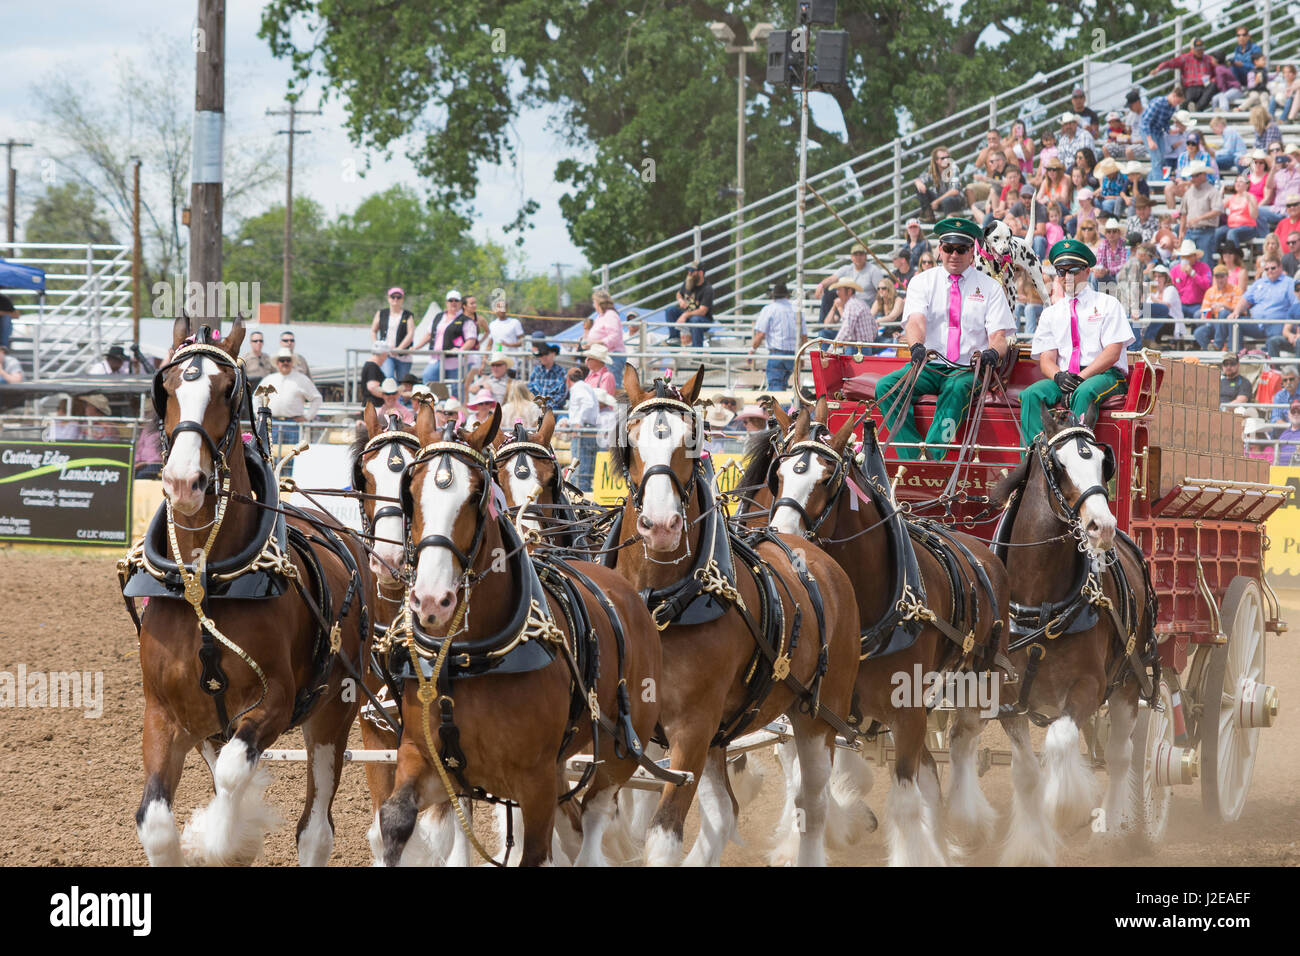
(184, 464)
(1085, 473)
(437, 570)
(657, 437)
(799, 488)
(523, 489)
(387, 483)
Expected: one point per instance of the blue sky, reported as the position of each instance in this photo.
(87, 34)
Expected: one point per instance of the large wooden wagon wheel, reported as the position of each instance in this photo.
(1235, 703)
(1155, 758)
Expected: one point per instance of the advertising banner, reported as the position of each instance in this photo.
(66, 492)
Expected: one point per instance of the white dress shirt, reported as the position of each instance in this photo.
(984, 309)
(582, 404)
(295, 395)
(1102, 322)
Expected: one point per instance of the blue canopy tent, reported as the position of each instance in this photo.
(16, 276)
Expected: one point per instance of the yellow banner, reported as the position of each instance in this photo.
(1282, 563)
(608, 487)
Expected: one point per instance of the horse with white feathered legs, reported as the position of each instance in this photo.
(930, 601)
(1082, 635)
(750, 628)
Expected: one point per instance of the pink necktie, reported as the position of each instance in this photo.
(1074, 336)
(954, 318)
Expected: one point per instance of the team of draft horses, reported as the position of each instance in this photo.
(493, 631)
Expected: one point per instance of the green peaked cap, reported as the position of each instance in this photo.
(1071, 250)
(956, 225)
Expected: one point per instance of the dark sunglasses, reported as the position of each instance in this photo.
(394, 296)
(955, 249)
(1071, 269)
(254, 340)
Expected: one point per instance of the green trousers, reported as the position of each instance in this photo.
(952, 388)
(1045, 393)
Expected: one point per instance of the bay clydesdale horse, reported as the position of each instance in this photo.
(270, 623)
(1083, 634)
(510, 663)
(953, 588)
(750, 630)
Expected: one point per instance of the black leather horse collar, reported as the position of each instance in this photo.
(510, 650)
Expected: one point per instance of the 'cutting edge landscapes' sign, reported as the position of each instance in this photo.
(66, 492)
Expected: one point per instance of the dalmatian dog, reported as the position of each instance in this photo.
(1002, 253)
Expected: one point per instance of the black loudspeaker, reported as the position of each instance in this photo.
(784, 65)
(815, 12)
(831, 64)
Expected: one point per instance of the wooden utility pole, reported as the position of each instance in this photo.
(137, 258)
(10, 146)
(559, 286)
(292, 112)
(206, 165)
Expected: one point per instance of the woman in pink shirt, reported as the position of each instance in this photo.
(1242, 210)
(1259, 170)
(598, 371)
(1191, 277)
(607, 329)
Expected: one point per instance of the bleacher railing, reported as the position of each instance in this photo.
(874, 192)
(86, 307)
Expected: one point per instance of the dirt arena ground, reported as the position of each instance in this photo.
(69, 785)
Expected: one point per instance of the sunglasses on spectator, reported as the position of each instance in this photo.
(927, 261)
(955, 249)
(286, 338)
(395, 295)
(1072, 268)
(258, 339)
(284, 361)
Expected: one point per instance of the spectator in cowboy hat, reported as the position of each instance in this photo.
(392, 404)
(480, 406)
(864, 273)
(547, 378)
(727, 399)
(753, 418)
(447, 410)
(857, 323)
(1071, 139)
(295, 398)
(1199, 210)
(780, 327)
(718, 418)
(599, 373)
(114, 363)
(1191, 277)
(496, 377)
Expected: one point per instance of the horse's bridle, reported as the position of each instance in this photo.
(391, 436)
(442, 452)
(662, 404)
(194, 353)
(835, 484)
(1046, 451)
(520, 445)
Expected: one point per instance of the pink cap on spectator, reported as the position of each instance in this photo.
(1085, 193)
(397, 290)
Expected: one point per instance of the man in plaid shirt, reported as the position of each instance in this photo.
(1153, 128)
(1197, 74)
(1111, 254)
(1072, 138)
(547, 379)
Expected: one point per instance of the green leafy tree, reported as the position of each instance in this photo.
(68, 213)
(255, 253)
(649, 82)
